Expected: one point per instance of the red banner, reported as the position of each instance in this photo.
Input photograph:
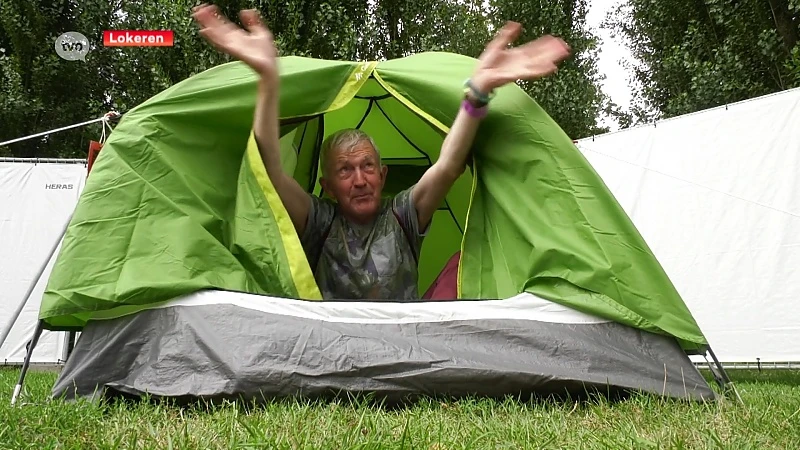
(94, 151)
(138, 38)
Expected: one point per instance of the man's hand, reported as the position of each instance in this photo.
(255, 47)
(500, 64)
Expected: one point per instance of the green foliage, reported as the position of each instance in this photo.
(697, 54)
(399, 28)
(573, 96)
(40, 91)
(792, 66)
(36, 87)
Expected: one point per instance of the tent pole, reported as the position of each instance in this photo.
(722, 377)
(714, 372)
(32, 286)
(69, 345)
(28, 354)
(722, 374)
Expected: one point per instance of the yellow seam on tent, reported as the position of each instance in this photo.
(125, 310)
(298, 263)
(346, 93)
(357, 78)
(632, 316)
(444, 129)
(410, 105)
(459, 292)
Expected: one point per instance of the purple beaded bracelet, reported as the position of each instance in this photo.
(478, 113)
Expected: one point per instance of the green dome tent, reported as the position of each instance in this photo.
(178, 213)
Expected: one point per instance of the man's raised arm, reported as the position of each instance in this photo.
(256, 48)
(266, 129)
(498, 65)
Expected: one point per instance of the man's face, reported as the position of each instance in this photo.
(355, 179)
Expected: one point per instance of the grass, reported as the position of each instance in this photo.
(770, 419)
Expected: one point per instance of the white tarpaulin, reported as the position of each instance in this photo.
(716, 195)
(35, 202)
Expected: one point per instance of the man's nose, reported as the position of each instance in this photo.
(359, 179)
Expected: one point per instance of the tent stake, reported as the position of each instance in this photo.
(28, 354)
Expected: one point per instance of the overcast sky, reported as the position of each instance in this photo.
(616, 84)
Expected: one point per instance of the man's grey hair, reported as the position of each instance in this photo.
(345, 139)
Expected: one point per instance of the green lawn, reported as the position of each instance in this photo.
(770, 418)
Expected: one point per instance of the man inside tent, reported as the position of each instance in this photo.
(361, 246)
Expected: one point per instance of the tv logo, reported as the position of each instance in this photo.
(59, 186)
(72, 46)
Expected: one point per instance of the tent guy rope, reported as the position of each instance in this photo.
(105, 119)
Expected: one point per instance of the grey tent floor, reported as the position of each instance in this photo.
(223, 350)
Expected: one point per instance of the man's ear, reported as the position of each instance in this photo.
(326, 187)
(384, 171)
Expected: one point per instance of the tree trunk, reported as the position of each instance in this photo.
(784, 24)
(392, 20)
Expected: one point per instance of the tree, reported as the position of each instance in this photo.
(573, 97)
(697, 54)
(40, 91)
(398, 28)
(36, 89)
